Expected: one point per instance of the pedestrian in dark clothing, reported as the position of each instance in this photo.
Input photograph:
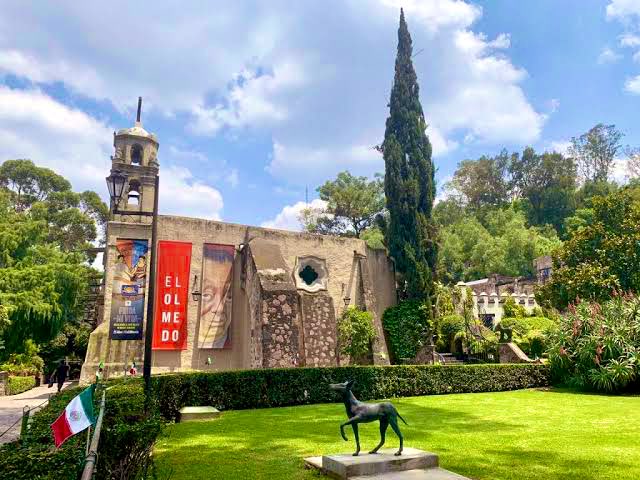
(61, 374)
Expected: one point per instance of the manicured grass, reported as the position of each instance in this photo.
(523, 435)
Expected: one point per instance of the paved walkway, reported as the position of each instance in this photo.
(11, 408)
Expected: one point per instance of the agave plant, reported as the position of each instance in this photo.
(598, 345)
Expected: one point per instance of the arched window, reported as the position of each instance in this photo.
(136, 155)
(133, 197)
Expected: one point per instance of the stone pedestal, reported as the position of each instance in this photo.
(412, 464)
(189, 414)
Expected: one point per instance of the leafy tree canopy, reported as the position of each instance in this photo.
(352, 205)
(504, 245)
(601, 257)
(45, 232)
(595, 151)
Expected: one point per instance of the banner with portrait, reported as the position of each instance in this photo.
(172, 296)
(215, 312)
(129, 285)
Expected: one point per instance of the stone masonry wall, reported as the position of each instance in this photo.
(319, 327)
(280, 331)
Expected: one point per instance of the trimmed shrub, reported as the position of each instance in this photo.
(125, 442)
(20, 384)
(450, 326)
(355, 334)
(261, 388)
(405, 325)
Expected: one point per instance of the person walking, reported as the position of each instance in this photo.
(61, 373)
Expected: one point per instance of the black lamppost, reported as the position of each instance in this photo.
(115, 183)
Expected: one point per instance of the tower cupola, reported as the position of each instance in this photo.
(136, 156)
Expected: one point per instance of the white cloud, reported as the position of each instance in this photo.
(623, 10)
(619, 172)
(608, 56)
(35, 126)
(319, 82)
(251, 100)
(560, 146)
(438, 14)
(182, 194)
(289, 216)
(629, 40)
(632, 85)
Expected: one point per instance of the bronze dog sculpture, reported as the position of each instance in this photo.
(360, 412)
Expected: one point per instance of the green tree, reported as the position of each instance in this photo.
(29, 183)
(504, 245)
(601, 257)
(45, 230)
(595, 151)
(352, 205)
(409, 178)
(547, 185)
(482, 183)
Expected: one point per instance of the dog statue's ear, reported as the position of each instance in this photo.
(350, 384)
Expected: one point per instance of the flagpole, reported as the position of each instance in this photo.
(86, 450)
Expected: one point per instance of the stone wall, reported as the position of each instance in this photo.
(280, 332)
(319, 327)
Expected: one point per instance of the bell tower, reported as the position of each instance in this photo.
(135, 156)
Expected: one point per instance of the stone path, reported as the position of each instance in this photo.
(11, 408)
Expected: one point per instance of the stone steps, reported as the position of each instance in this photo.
(413, 464)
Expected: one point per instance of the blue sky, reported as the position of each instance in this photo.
(254, 101)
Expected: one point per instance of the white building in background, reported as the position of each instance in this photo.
(489, 294)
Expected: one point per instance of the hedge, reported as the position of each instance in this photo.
(262, 388)
(127, 437)
(17, 385)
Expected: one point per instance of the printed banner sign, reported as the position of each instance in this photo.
(215, 314)
(127, 297)
(172, 295)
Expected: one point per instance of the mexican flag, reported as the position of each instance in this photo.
(77, 416)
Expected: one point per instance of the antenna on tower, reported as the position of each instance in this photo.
(139, 109)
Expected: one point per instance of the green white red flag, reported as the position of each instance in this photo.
(77, 416)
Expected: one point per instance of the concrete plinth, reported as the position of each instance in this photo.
(413, 464)
(190, 414)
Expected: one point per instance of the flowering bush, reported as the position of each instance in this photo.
(598, 345)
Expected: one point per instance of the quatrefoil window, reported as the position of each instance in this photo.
(308, 274)
(311, 274)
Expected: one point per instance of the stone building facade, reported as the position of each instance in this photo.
(286, 289)
(489, 294)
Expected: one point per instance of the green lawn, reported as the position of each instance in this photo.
(526, 434)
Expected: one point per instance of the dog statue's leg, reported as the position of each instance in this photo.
(355, 433)
(351, 421)
(394, 424)
(384, 423)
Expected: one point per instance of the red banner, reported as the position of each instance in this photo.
(172, 295)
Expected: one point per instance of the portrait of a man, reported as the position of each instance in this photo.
(215, 313)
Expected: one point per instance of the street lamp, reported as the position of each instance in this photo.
(195, 294)
(115, 184)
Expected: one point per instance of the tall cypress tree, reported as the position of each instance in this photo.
(409, 178)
